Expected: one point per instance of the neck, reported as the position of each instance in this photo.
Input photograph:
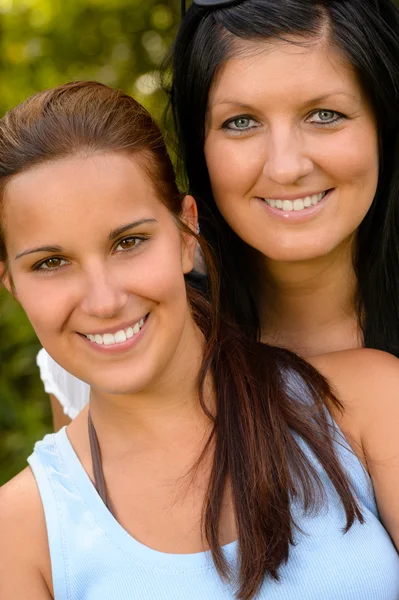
(309, 306)
(166, 413)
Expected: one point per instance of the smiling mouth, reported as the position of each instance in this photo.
(119, 337)
(296, 205)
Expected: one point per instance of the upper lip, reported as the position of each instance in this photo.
(295, 196)
(114, 329)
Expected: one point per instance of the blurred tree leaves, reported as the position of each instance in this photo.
(44, 43)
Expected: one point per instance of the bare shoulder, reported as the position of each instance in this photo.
(369, 376)
(24, 553)
(18, 499)
(365, 361)
(367, 383)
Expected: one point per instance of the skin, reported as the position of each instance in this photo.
(143, 420)
(274, 117)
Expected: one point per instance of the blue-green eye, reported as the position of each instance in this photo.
(242, 123)
(326, 117)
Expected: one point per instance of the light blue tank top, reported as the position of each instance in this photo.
(94, 558)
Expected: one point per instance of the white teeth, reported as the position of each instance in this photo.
(119, 337)
(109, 339)
(307, 202)
(297, 205)
(288, 205)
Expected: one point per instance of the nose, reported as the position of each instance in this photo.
(104, 297)
(287, 157)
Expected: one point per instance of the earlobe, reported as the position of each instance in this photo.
(190, 218)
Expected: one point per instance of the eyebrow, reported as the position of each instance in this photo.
(40, 249)
(119, 230)
(112, 235)
(311, 101)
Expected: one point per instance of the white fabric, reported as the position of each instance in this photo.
(72, 393)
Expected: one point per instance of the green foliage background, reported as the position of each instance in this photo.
(44, 43)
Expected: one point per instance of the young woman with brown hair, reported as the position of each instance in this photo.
(196, 439)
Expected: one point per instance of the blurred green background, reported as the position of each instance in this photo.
(44, 43)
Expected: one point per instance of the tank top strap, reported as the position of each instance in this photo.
(43, 462)
(98, 473)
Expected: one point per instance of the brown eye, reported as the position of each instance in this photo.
(128, 243)
(51, 264)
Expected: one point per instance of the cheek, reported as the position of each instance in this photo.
(46, 306)
(163, 285)
(159, 277)
(234, 165)
(352, 157)
(361, 168)
(44, 317)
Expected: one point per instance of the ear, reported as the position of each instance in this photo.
(6, 280)
(189, 216)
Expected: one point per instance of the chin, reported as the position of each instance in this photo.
(115, 386)
(292, 256)
(301, 252)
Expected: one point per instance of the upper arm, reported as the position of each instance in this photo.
(25, 570)
(20, 582)
(380, 438)
(59, 417)
(367, 383)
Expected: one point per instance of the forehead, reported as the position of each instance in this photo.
(287, 70)
(76, 196)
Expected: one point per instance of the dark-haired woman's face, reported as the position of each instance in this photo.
(292, 149)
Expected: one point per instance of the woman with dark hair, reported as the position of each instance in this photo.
(287, 119)
(288, 123)
(198, 443)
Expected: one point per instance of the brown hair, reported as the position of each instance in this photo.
(261, 422)
(83, 116)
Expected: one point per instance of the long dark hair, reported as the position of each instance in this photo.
(260, 423)
(367, 32)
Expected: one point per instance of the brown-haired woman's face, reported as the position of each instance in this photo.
(292, 149)
(97, 262)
